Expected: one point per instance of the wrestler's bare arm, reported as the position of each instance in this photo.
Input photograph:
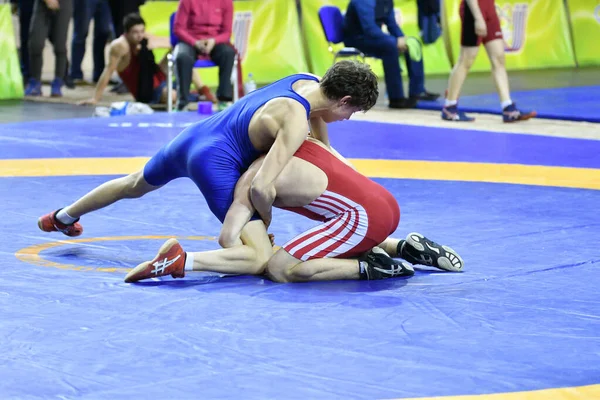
(117, 50)
(288, 126)
(241, 210)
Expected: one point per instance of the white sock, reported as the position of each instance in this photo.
(506, 103)
(189, 262)
(450, 103)
(65, 218)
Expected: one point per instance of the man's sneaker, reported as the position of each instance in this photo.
(451, 113)
(377, 264)
(170, 260)
(512, 114)
(33, 88)
(55, 87)
(419, 250)
(49, 223)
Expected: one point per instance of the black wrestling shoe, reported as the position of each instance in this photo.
(419, 250)
(377, 264)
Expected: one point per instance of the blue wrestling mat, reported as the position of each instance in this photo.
(523, 316)
(570, 103)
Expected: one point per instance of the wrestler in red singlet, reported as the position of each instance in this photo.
(358, 214)
(130, 75)
(488, 10)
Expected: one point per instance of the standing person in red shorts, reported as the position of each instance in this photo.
(480, 23)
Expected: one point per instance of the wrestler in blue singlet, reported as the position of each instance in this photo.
(215, 152)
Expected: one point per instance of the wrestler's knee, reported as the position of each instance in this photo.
(280, 267)
(227, 240)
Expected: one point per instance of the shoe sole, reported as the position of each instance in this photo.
(165, 248)
(443, 262)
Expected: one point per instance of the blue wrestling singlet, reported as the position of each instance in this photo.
(216, 151)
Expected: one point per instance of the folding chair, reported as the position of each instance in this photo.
(332, 23)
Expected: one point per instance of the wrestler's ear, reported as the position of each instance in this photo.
(344, 101)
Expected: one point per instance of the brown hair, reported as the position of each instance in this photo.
(354, 79)
(131, 20)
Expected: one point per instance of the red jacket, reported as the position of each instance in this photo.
(204, 19)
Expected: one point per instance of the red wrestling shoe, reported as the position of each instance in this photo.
(170, 260)
(49, 223)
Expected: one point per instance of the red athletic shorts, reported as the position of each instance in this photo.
(468, 37)
(357, 213)
(355, 228)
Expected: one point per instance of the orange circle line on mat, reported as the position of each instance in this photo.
(31, 254)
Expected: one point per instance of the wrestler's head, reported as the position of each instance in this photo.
(351, 86)
(134, 27)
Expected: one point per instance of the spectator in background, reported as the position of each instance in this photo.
(83, 12)
(480, 23)
(363, 30)
(25, 11)
(204, 29)
(119, 9)
(50, 17)
(132, 58)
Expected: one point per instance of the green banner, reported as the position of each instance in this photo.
(265, 32)
(585, 21)
(320, 58)
(11, 80)
(536, 34)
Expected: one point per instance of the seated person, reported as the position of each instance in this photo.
(357, 215)
(362, 30)
(125, 58)
(204, 30)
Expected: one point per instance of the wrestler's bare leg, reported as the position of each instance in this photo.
(283, 267)
(249, 257)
